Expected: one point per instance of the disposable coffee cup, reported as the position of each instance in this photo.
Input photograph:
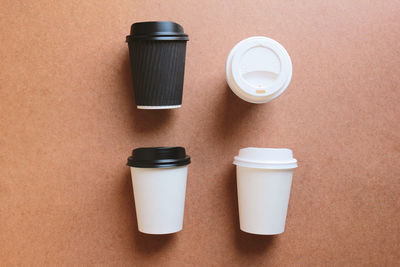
(264, 178)
(159, 184)
(258, 69)
(157, 51)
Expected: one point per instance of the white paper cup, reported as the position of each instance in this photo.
(258, 69)
(159, 198)
(264, 178)
(159, 184)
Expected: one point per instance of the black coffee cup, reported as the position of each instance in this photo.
(157, 51)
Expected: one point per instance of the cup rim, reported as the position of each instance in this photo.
(273, 165)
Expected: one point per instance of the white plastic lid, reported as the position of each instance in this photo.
(266, 158)
(258, 69)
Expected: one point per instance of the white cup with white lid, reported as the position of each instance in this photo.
(264, 178)
(258, 69)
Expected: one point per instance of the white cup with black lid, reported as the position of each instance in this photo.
(159, 177)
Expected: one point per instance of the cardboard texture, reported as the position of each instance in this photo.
(68, 123)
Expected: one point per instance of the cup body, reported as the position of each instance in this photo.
(158, 71)
(263, 197)
(159, 198)
(157, 53)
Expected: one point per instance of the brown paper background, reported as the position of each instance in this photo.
(68, 122)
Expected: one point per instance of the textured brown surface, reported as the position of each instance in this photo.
(68, 123)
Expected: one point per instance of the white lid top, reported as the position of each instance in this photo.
(258, 69)
(266, 158)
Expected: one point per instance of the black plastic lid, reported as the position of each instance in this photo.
(158, 157)
(157, 30)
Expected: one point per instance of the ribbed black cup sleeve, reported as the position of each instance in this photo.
(158, 71)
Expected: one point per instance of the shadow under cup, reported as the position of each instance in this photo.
(157, 53)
